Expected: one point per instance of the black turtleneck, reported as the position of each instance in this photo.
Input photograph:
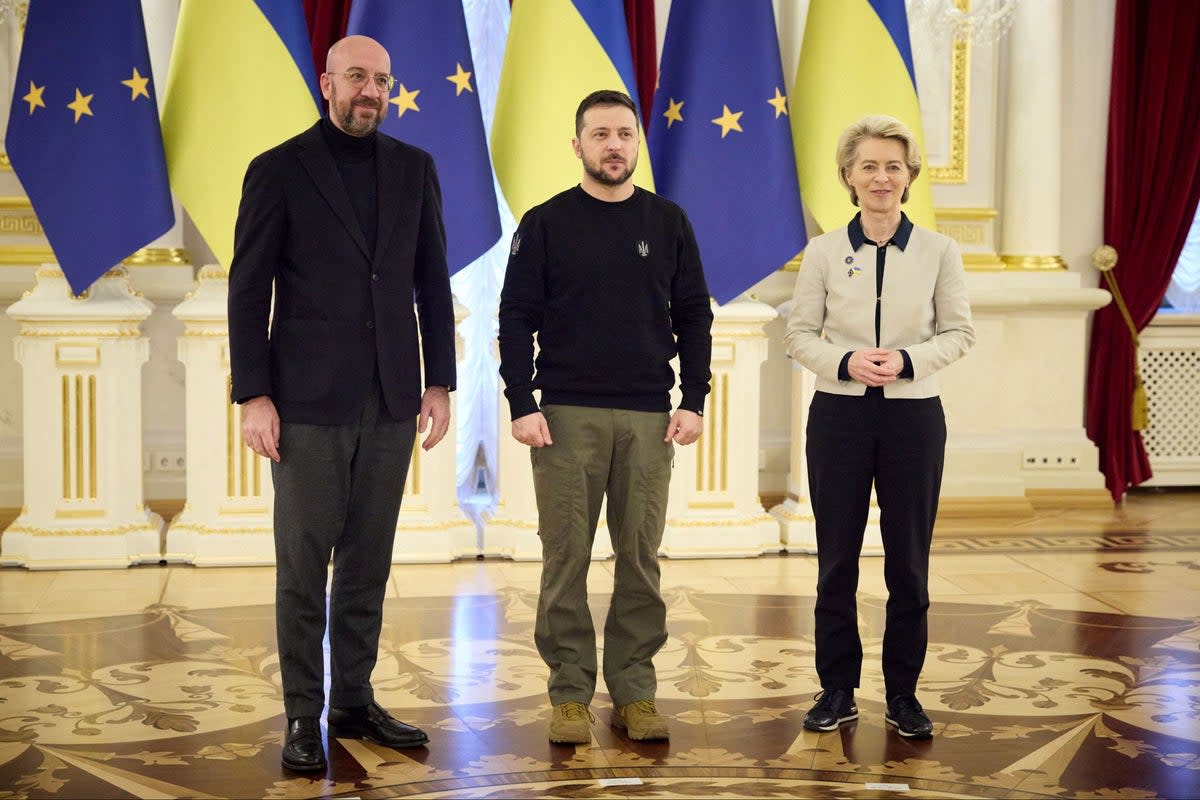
(355, 159)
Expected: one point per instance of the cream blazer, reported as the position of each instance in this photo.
(924, 309)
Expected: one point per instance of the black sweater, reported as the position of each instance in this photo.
(613, 290)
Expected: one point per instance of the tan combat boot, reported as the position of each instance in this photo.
(571, 724)
(642, 721)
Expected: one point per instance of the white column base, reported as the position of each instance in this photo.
(70, 546)
(799, 527)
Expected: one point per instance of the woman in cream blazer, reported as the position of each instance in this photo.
(880, 306)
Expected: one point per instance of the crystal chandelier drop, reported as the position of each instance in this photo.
(984, 21)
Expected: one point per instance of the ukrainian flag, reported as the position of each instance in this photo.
(558, 52)
(855, 60)
(241, 81)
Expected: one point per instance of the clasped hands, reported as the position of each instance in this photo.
(875, 367)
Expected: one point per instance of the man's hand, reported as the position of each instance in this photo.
(875, 367)
(532, 430)
(260, 426)
(685, 427)
(435, 413)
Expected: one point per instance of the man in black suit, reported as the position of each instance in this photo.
(345, 224)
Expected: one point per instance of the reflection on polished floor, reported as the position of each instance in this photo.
(1064, 662)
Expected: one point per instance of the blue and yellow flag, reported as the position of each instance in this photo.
(558, 52)
(241, 82)
(83, 134)
(721, 143)
(855, 60)
(436, 108)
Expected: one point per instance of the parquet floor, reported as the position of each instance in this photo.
(1064, 661)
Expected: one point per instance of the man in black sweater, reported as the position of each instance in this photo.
(608, 277)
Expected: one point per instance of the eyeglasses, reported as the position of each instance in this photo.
(358, 79)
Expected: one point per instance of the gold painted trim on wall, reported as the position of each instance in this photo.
(158, 257)
(983, 262)
(960, 91)
(1033, 263)
(969, 214)
(24, 255)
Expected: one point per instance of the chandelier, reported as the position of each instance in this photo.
(981, 22)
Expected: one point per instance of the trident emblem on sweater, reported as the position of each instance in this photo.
(643, 248)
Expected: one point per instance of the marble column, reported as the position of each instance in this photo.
(1032, 193)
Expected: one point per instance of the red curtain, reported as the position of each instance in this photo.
(639, 19)
(1151, 189)
(326, 24)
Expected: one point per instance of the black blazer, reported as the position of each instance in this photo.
(340, 311)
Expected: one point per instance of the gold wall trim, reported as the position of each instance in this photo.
(983, 262)
(15, 201)
(719, 523)
(973, 214)
(78, 513)
(960, 91)
(5, 164)
(1033, 263)
(158, 257)
(26, 255)
(94, 333)
(793, 265)
(70, 533)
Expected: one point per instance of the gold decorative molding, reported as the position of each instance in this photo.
(14, 201)
(981, 214)
(5, 164)
(960, 90)
(158, 257)
(25, 255)
(719, 523)
(116, 530)
(1033, 263)
(983, 262)
(964, 233)
(793, 265)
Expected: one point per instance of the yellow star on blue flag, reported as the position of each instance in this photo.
(431, 56)
(733, 172)
(90, 160)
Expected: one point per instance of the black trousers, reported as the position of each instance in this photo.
(337, 491)
(899, 446)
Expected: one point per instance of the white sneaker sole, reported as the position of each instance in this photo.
(840, 721)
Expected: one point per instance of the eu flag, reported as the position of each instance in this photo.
(83, 134)
(436, 107)
(721, 143)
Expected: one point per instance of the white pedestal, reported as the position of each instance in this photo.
(431, 526)
(227, 518)
(714, 509)
(81, 361)
(797, 525)
(512, 530)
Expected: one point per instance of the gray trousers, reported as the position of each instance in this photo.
(599, 451)
(337, 491)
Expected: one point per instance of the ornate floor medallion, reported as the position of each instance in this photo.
(1029, 700)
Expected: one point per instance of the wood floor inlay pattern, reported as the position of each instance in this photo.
(1049, 689)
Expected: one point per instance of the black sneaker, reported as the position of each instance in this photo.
(834, 706)
(907, 716)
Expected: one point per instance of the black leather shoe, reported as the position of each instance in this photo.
(374, 723)
(834, 706)
(907, 716)
(302, 750)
